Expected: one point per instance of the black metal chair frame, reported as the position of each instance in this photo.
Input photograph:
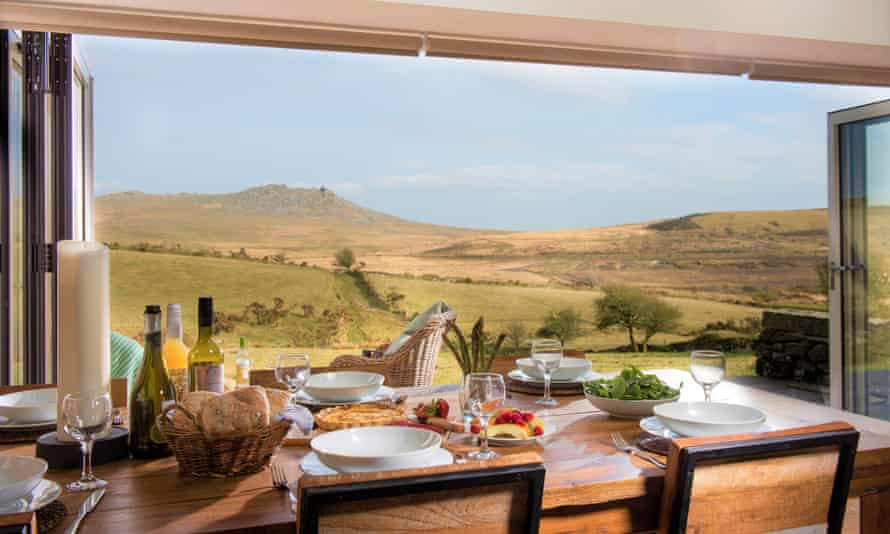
(845, 440)
(532, 475)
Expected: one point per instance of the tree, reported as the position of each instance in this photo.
(660, 316)
(635, 311)
(516, 334)
(345, 258)
(564, 325)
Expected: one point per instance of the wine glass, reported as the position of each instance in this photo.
(86, 418)
(484, 393)
(547, 355)
(293, 371)
(708, 368)
(464, 405)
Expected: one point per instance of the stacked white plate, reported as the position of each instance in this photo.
(693, 419)
(375, 448)
(343, 387)
(570, 369)
(22, 486)
(30, 409)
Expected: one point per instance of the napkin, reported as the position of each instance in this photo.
(299, 415)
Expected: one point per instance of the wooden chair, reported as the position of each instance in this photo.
(757, 483)
(412, 364)
(498, 496)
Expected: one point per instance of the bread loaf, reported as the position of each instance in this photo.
(195, 400)
(256, 397)
(278, 400)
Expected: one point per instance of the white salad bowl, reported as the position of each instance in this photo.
(569, 368)
(32, 406)
(626, 408)
(709, 418)
(19, 475)
(343, 386)
(376, 448)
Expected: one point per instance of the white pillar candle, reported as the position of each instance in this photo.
(83, 323)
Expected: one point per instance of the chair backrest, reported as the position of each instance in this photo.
(755, 483)
(499, 496)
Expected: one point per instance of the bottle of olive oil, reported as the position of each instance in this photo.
(175, 352)
(206, 362)
(151, 394)
(242, 365)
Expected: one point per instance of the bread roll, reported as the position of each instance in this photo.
(256, 397)
(278, 400)
(195, 400)
(226, 414)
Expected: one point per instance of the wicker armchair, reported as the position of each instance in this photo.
(414, 362)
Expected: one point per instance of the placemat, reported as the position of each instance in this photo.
(563, 390)
(655, 444)
(51, 516)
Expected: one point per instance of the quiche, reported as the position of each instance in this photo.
(356, 415)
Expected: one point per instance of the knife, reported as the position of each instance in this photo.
(86, 507)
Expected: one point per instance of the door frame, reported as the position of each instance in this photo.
(840, 396)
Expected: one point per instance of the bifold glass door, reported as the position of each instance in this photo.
(859, 211)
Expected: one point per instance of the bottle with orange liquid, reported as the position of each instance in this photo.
(175, 352)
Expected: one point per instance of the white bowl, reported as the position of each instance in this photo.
(376, 448)
(569, 368)
(32, 406)
(709, 418)
(343, 386)
(19, 475)
(626, 408)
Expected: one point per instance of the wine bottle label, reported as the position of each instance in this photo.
(180, 379)
(210, 377)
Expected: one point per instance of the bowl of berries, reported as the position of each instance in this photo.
(514, 427)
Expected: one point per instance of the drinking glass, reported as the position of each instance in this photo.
(708, 368)
(86, 418)
(547, 355)
(484, 393)
(464, 405)
(293, 371)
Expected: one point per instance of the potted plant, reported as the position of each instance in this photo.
(475, 356)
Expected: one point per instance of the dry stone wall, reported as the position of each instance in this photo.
(793, 345)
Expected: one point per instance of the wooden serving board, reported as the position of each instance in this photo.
(561, 390)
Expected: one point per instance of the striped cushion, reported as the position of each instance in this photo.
(126, 358)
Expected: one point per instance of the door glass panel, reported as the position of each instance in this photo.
(16, 227)
(77, 155)
(865, 222)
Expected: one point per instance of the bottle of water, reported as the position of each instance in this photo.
(242, 365)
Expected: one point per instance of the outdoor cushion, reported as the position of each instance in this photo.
(126, 358)
(416, 324)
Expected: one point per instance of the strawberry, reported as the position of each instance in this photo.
(430, 410)
(442, 408)
(475, 429)
(420, 412)
(528, 416)
(538, 431)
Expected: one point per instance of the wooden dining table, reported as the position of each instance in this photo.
(589, 487)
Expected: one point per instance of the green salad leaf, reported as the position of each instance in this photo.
(631, 384)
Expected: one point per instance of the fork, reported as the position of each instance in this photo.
(624, 446)
(279, 481)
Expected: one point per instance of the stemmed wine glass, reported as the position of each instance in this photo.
(484, 393)
(86, 418)
(293, 371)
(708, 368)
(467, 417)
(547, 355)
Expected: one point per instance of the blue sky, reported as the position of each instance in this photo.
(458, 142)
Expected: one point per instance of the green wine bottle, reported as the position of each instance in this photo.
(152, 392)
(206, 362)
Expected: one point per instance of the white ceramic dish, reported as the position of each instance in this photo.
(19, 475)
(519, 376)
(709, 418)
(627, 409)
(515, 442)
(311, 464)
(654, 426)
(375, 448)
(10, 426)
(45, 492)
(569, 369)
(384, 393)
(32, 406)
(343, 386)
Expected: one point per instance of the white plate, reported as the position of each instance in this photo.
(569, 369)
(19, 475)
(343, 386)
(654, 426)
(31, 406)
(375, 448)
(515, 442)
(6, 424)
(519, 376)
(709, 418)
(313, 465)
(384, 393)
(45, 492)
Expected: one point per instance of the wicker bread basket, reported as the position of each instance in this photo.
(221, 456)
